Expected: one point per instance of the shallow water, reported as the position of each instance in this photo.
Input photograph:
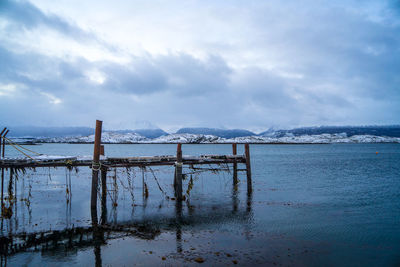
(312, 205)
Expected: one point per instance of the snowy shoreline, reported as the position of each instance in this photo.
(133, 138)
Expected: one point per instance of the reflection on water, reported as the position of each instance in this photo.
(146, 222)
(312, 205)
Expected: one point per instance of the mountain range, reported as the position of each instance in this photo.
(35, 132)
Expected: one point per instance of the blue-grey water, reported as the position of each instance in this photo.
(312, 205)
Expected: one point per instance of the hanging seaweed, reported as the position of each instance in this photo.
(129, 177)
(190, 186)
(7, 212)
(113, 192)
(48, 177)
(155, 178)
(146, 191)
(10, 187)
(68, 189)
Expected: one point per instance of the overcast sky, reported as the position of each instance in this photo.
(228, 64)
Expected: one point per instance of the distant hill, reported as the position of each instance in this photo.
(217, 132)
(149, 133)
(51, 132)
(391, 131)
(34, 131)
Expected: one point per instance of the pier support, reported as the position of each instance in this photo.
(103, 195)
(248, 169)
(1, 135)
(2, 170)
(235, 178)
(4, 144)
(178, 173)
(95, 170)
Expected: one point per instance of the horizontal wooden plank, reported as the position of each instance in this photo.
(123, 162)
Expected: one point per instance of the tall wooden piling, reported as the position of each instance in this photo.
(95, 170)
(234, 152)
(1, 135)
(2, 171)
(4, 144)
(103, 195)
(178, 173)
(2, 189)
(248, 169)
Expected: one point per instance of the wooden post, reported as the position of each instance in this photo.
(95, 170)
(103, 195)
(234, 152)
(102, 150)
(1, 135)
(2, 169)
(248, 169)
(2, 189)
(178, 173)
(2, 174)
(4, 144)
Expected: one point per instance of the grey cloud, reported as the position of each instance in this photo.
(25, 15)
(177, 73)
(189, 76)
(140, 77)
(29, 16)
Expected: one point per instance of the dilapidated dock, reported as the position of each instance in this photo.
(101, 164)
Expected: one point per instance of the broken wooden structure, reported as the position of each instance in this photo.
(103, 164)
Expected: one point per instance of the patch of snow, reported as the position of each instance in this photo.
(106, 137)
(112, 137)
(187, 138)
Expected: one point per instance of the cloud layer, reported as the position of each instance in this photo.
(200, 63)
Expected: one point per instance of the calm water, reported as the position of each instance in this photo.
(312, 205)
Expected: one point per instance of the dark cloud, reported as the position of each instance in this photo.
(26, 16)
(190, 76)
(176, 73)
(139, 77)
(29, 16)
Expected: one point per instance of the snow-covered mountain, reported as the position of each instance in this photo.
(106, 137)
(187, 138)
(388, 130)
(114, 137)
(224, 133)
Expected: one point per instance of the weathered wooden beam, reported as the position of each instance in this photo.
(123, 162)
(234, 152)
(248, 169)
(103, 195)
(1, 135)
(95, 170)
(2, 189)
(2, 172)
(4, 144)
(178, 173)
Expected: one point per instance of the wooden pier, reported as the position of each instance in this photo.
(102, 164)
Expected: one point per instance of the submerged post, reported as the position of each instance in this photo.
(103, 195)
(95, 170)
(248, 169)
(178, 173)
(234, 152)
